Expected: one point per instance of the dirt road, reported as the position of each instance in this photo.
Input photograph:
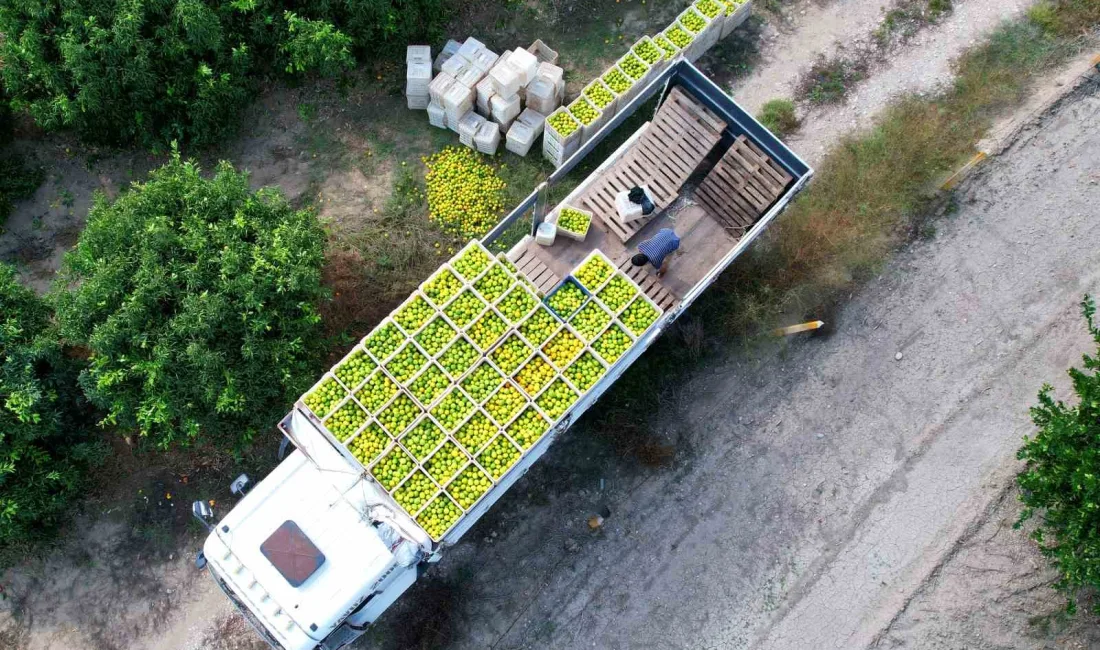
(845, 493)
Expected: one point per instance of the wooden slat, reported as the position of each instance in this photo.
(679, 138)
(742, 185)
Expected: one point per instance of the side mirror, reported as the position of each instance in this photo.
(202, 511)
(241, 485)
(200, 561)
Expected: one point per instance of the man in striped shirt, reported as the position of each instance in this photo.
(656, 250)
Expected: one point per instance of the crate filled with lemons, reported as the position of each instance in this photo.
(453, 388)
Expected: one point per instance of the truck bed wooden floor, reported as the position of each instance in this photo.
(703, 242)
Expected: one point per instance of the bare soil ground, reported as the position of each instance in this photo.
(787, 457)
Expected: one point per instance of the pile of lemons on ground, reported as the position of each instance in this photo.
(465, 195)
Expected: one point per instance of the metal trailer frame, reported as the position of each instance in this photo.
(739, 122)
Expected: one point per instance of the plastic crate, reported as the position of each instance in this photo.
(559, 287)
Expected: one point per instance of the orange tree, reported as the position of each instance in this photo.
(1060, 484)
(196, 299)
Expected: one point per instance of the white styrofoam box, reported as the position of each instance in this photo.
(470, 77)
(569, 233)
(439, 86)
(736, 17)
(658, 66)
(533, 119)
(418, 75)
(448, 51)
(468, 127)
(542, 96)
(609, 110)
(505, 109)
(455, 65)
(504, 126)
(526, 63)
(561, 91)
(485, 93)
(557, 148)
(418, 54)
(484, 90)
(437, 115)
(551, 72)
(520, 138)
(627, 210)
(488, 138)
(546, 234)
(417, 102)
(484, 60)
(459, 96)
(470, 47)
(506, 79)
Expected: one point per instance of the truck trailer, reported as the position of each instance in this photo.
(315, 552)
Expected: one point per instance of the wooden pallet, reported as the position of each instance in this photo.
(742, 186)
(650, 284)
(681, 135)
(529, 264)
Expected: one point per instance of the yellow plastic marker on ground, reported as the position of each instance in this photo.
(795, 329)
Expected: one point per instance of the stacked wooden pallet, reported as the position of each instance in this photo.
(742, 186)
(681, 135)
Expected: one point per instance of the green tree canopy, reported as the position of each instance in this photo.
(152, 71)
(44, 443)
(1061, 481)
(196, 299)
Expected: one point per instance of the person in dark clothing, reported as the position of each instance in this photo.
(656, 250)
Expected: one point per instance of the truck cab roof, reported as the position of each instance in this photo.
(300, 548)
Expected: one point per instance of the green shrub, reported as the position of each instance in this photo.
(152, 71)
(197, 301)
(44, 445)
(316, 45)
(778, 116)
(1065, 17)
(1062, 476)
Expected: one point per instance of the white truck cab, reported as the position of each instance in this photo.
(311, 555)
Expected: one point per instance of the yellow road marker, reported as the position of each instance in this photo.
(795, 329)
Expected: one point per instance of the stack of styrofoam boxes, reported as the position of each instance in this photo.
(505, 109)
(437, 114)
(484, 95)
(557, 147)
(448, 51)
(545, 93)
(418, 60)
(457, 101)
(505, 81)
(525, 130)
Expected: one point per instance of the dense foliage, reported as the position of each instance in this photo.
(196, 299)
(44, 446)
(150, 71)
(1061, 481)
